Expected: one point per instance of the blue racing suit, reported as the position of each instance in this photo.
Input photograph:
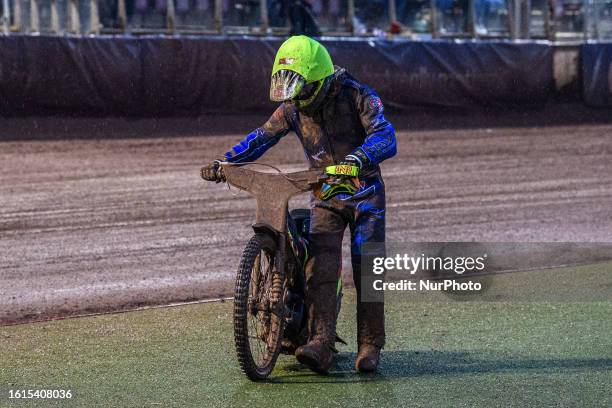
(345, 119)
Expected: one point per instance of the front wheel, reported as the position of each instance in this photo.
(258, 327)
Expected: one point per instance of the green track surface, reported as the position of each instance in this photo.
(439, 353)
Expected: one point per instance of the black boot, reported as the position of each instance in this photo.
(316, 355)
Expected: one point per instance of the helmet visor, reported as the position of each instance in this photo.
(307, 91)
(286, 85)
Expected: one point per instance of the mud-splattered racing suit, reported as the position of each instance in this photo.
(347, 120)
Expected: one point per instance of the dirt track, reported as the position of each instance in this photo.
(89, 225)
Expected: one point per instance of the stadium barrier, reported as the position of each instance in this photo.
(138, 76)
(596, 69)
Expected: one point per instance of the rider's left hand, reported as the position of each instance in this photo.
(339, 175)
(351, 160)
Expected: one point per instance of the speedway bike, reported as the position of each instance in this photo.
(270, 316)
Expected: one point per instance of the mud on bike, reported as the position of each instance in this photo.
(270, 316)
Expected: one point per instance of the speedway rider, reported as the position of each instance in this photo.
(338, 121)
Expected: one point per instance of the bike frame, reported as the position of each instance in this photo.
(272, 192)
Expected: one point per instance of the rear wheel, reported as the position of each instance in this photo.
(258, 327)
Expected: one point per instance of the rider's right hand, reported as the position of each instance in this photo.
(213, 172)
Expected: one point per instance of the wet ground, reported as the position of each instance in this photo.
(96, 215)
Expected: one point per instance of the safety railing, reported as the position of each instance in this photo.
(516, 19)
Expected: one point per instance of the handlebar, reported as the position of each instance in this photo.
(326, 184)
(273, 190)
(282, 183)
